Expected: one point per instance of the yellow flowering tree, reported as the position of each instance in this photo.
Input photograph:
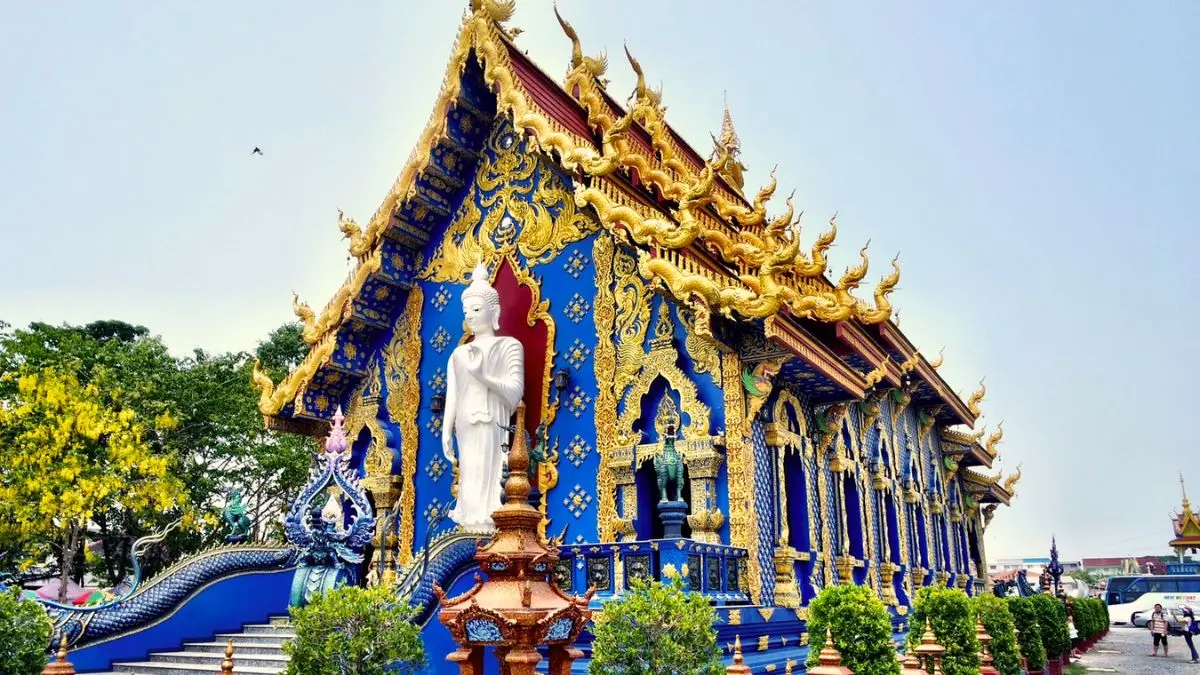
(68, 452)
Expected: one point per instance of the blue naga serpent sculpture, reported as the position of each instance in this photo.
(329, 555)
(326, 556)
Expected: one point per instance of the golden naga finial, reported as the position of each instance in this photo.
(910, 364)
(1012, 480)
(941, 357)
(977, 398)
(594, 65)
(855, 273)
(307, 317)
(498, 12)
(642, 91)
(359, 246)
(263, 383)
(995, 439)
(876, 376)
(882, 310)
(977, 435)
(817, 263)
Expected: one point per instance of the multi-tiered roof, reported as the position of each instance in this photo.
(698, 237)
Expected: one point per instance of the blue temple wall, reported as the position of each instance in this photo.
(566, 280)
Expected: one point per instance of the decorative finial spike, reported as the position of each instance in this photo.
(337, 441)
(227, 663)
(62, 649)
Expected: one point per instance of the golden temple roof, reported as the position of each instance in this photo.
(762, 270)
(1186, 523)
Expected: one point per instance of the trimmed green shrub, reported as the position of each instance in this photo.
(1090, 616)
(25, 632)
(656, 629)
(949, 613)
(993, 613)
(1052, 621)
(861, 627)
(1029, 633)
(352, 631)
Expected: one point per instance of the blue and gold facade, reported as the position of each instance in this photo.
(819, 446)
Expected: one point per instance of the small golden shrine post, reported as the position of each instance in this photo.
(519, 607)
(60, 665)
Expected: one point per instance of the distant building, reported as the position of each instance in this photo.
(1032, 566)
(1107, 567)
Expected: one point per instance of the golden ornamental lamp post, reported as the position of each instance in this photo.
(830, 659)
(60, 665)
(929, 651)
(519, 607)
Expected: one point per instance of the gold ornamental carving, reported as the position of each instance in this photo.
(605, 362)
(402, 363)
(523, 206)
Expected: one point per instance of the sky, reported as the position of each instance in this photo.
(1034, 163)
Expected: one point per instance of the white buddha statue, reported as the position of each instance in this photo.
(485, 380)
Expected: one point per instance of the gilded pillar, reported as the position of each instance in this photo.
(605, 360)
(743, 526)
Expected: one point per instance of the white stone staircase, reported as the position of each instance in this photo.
(257, 650)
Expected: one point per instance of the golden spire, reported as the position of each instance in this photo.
(731, 169)
(977, 398)
(1183, 488)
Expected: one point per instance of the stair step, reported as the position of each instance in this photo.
(239, 647)
(157, 668)
(268, 629)
(250, 638)
(213, 659)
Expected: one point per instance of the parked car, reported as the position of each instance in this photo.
(1175, 621)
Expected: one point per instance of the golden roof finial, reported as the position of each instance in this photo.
(594, 65)
(642, 90)
(307, 317)
(498, 12)
(263, 382)
(854, 274)
(941, 357)
(995, 438)
(977, 398)
(1012, 480)
(729, 146)
(876, 376)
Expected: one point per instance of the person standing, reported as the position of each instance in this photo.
(1158, 629)
(1191, 628)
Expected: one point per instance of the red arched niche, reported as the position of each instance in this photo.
(515, 302)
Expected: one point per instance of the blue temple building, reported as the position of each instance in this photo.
(649, 290)
(659, 302)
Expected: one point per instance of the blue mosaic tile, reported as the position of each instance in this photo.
(578, 450)
(578, 353)
(576, 263)
(577, 308)
(577, 501)
(437, 383)
(433, 510)
(578, 401)
(436, 468)
(441, 298)
(440, 340)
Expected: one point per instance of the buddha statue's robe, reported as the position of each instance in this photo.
(479, 409)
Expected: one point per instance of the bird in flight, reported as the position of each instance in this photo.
(256, 151)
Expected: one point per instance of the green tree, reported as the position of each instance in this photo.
(861, 628)
(217, 442)
(25, 631)
(948, 612)
(1052, 624)
(68, 452)
(1029, 633)
(656, 629)
(352, 631)
(993, 613)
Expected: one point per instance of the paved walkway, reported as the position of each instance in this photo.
(1127, 651)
